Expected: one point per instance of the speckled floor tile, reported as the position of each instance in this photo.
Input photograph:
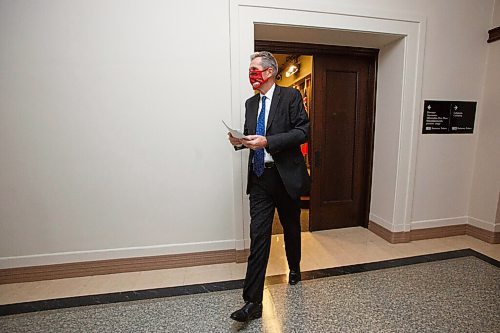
(453, 295)
(320, 250)
(456, 295)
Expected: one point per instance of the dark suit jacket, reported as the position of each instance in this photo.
(287, 128)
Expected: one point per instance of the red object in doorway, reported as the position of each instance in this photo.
(303, 148)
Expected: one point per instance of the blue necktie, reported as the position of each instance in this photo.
(258, 157)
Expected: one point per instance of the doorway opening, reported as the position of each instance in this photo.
(337, 84)
(295, 71)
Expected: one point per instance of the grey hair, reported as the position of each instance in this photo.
(267, 60)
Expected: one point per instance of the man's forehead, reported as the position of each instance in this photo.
(256, 63)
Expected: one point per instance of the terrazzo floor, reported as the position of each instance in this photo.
(320, 249)
(451, 295)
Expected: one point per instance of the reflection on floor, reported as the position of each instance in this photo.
(332, 248)
(431, 293)
(304, 222)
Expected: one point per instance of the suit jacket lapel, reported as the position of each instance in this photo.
(253, 106)
(274, 106)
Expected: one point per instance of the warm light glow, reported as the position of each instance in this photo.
(291, 70)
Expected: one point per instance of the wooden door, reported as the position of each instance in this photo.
(342, 140)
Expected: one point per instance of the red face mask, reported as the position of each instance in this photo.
(256, 78)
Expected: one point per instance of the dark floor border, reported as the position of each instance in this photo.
(69, 302)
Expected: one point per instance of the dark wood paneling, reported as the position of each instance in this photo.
(340, 136)
(342, 140)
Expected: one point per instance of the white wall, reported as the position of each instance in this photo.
(99, 101)
(454, 68)
(455, 55)
(486, 183)
(387, 131)
(110, 127)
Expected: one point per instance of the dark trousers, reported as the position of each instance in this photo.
(267, 193)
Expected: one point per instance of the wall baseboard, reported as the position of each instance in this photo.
(242, 255)
(124, 265)
(117, 253)
(436, 232)
(135, 264)
(381, 221)
(391, 237)
(435, 223)
(484, 235)
(482, 224)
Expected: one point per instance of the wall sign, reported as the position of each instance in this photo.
(449, 117)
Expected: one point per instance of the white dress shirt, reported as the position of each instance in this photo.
(269, 98)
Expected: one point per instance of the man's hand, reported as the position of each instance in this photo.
(254, 142)
(234, 141)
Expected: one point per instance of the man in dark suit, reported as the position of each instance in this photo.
(276, 124)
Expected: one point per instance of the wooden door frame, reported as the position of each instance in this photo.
(317, 49)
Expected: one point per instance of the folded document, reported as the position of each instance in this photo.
(235, 133)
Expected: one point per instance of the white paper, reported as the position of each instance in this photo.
(235, 133)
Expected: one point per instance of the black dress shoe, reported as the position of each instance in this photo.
(248, 312)
(294, 277)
